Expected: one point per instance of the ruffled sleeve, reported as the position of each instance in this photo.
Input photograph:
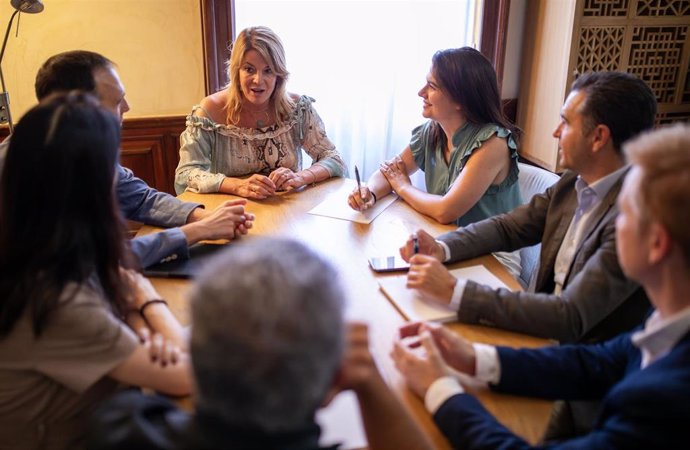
(482, 135)
(196, 146)
(312, 134)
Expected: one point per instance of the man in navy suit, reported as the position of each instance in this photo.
(641, 377)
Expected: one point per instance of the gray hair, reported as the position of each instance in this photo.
(268, 334)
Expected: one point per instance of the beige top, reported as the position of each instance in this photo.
(48, 384)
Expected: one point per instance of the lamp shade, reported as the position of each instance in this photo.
(27, 6)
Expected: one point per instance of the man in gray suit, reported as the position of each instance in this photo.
(579, 293)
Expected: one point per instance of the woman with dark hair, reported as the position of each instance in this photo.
(467, 150)
(66, 295)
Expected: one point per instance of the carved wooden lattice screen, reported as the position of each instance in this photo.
(649, 38)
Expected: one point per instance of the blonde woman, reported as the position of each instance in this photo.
(247, 139)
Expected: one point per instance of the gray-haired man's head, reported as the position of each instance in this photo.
(267, 335)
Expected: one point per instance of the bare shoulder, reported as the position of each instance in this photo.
(213, 106)
(495, 145)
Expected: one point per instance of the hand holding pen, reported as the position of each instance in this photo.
(361, 198)
(422, 243)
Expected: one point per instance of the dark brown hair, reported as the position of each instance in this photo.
(68, 71)
(60, 221)
(619, 100)
(468, 78)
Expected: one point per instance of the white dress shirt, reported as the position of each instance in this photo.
(588, 198)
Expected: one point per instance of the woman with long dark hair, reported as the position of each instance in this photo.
(467, 149)
(67, 291)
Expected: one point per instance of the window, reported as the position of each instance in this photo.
(363, 62)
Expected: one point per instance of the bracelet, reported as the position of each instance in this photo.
(373, 195)
(151, 302)
(313, 180)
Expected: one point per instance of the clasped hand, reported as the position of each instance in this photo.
(228, 221)
(260, 186)
(257, 187)
(286, 180)
(425, 352)
(358, 370)
(396, 173)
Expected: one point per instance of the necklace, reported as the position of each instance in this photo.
(261, 116)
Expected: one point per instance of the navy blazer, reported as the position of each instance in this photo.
(644, 409)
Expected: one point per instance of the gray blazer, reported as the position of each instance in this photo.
(597, 300)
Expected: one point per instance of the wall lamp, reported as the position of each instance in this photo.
(20, 6)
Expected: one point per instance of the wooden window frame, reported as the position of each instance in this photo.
(494, 34)
(218, 32)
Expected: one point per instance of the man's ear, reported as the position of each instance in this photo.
(659, 242)
(601, 137)
(335, 389)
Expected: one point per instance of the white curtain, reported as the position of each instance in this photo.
(363, 62)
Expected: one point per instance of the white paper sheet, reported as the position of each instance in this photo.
(341, 423)
(335, 205)
(415, 308)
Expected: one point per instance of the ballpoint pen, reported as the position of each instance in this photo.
(359, 184)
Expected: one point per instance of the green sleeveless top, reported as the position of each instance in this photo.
(439, 176)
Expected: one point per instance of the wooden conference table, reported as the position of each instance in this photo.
(348, 245)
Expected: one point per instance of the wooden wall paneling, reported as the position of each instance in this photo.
(139, 155)
(648, 38)
(150, 147)
(549, 28)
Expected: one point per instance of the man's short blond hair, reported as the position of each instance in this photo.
(663, 158)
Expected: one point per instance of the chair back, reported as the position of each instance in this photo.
(532, 180)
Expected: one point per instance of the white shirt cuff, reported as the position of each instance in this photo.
(441, 390)
(446, 250)
(458, 292)
(488, 369)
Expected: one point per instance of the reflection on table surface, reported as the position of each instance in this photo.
(348, 245)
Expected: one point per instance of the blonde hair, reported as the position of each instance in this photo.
(268, 45)
(663, 196)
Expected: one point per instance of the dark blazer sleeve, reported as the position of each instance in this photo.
(467, 425)
(131, 420)
(552, 372)
(641, 409)
(598, 301)
(566, 372)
